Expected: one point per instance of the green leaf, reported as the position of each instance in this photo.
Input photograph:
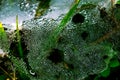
(105, 73)
(114, 63)
(118, 2)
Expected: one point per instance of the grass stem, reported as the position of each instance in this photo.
(19, 39)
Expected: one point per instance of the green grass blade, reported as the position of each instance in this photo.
(65, 19)
(53, 37)
(19, 39)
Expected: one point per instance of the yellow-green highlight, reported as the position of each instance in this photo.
(19, 39)
(1, 28)
(2, 32)
(3, 36)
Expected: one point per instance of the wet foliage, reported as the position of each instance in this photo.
(82, 43)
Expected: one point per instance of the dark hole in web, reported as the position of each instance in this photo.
(84, 35)
(78, 18)
(56, 56)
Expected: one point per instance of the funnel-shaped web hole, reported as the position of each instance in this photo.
(78, 18)
(84, 35)
(56, 56)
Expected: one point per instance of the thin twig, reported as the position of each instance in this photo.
(109, 34)
(14, 73)
(5, 72)
(106, 36)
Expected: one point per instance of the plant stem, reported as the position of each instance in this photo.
(19, 39)
(5, 72)
(52, 40)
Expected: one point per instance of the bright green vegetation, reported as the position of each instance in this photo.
(118, 2)
(114, 63)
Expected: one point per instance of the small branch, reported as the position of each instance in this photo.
(109, 34)
(106, 36)
(5, 72)
(14, 75)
